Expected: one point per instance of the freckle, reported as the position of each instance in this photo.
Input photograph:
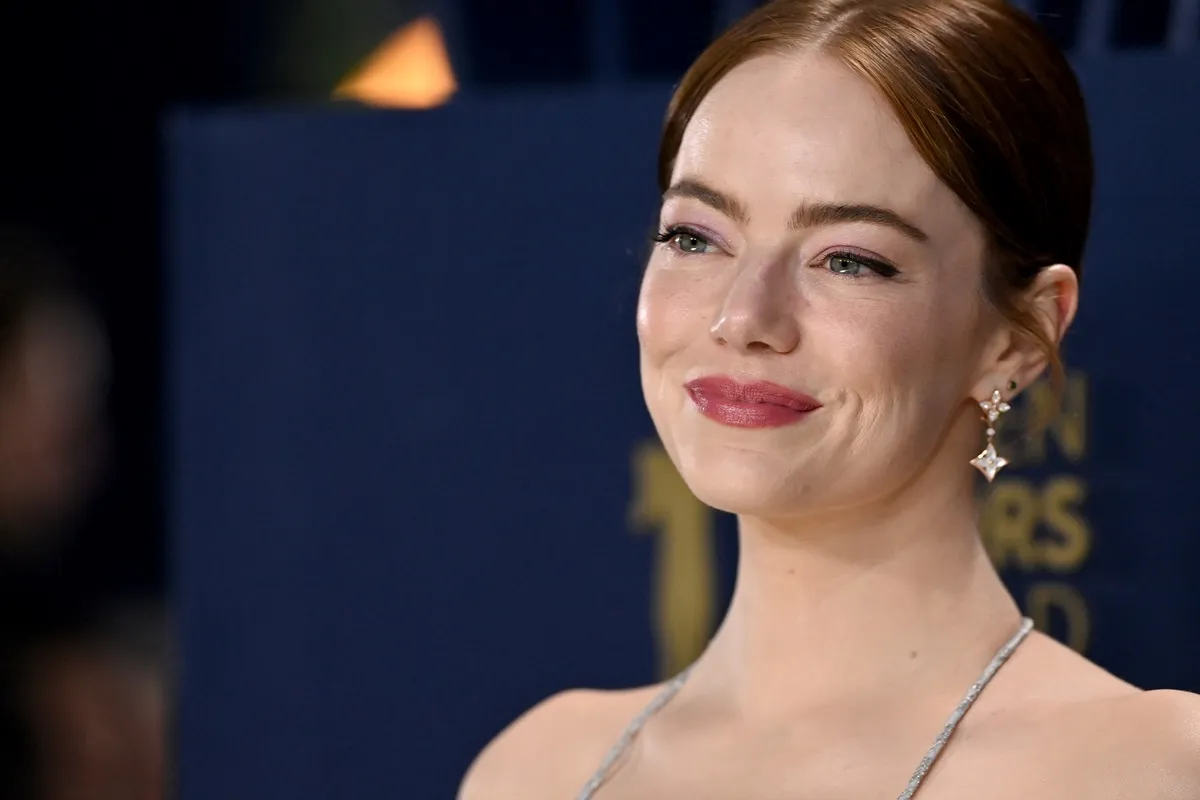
(791, 571)
(913, 654)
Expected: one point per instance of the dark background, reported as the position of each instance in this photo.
(87, 88)
(381, 559)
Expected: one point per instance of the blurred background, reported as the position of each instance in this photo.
(260, 533)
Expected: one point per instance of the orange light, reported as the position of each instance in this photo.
(410, 70)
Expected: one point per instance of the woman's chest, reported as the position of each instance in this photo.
(1015, 770)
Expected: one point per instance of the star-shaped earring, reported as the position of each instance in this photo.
(989, 462)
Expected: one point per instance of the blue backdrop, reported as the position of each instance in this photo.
(383, 551)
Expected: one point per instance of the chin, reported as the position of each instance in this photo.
(744, 483)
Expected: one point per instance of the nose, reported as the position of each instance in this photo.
(759, 312)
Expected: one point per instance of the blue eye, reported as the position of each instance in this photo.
(843, 265)
(851, 265)
(690, 243)
(685, 241)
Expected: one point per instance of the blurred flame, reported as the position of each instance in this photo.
(410, 70)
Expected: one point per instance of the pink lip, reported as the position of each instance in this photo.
(759, 404)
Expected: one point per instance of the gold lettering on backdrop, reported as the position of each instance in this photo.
(1068, 428)
(1008, 522)
(1068, 548)
(1041, 527)
(1050, 603)
(1016, 513)
(685, 582)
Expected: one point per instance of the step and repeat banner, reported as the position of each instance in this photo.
(414, 487)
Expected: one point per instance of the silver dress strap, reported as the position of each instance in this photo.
(672, 688)
(669, 691)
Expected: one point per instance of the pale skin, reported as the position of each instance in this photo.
(865, 605)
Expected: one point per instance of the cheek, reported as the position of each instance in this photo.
(673, 312)
(903, 361)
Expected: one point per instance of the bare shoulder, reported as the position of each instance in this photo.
(1157, 750)
(552, 749)
(1104, 737)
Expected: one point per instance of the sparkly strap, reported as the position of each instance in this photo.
(661, 699)
(963, 707)
(672, 688)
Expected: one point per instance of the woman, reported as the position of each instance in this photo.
(873, 220)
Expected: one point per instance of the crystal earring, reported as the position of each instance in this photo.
(989, 462)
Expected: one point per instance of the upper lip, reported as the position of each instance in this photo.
(726, 388)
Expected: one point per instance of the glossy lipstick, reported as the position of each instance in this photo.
(760, 404)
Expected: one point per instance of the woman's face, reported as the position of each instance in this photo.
(808, 245)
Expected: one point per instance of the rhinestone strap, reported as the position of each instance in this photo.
(672, 688)
(963, 707)
(669, 691)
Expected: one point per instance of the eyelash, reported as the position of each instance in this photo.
(666, 235)
(881, 269)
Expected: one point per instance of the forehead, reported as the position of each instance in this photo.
(785, 129)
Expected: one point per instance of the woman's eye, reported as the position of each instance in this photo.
(845, 265)
(852, 266)
(685, 241)
(691, 243)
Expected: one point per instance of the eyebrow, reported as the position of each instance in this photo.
(808, 215)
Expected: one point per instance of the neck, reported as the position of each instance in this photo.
(904, 600)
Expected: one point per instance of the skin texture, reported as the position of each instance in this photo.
(864, 605)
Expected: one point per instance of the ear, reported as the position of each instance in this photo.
(1018, 357)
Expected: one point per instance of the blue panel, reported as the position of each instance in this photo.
(405, 402)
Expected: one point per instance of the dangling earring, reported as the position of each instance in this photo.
(989, 462)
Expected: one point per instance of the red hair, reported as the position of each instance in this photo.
(987, 99)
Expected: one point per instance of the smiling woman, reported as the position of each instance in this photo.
(872, 229)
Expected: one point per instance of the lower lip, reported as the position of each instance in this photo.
(737, 414)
